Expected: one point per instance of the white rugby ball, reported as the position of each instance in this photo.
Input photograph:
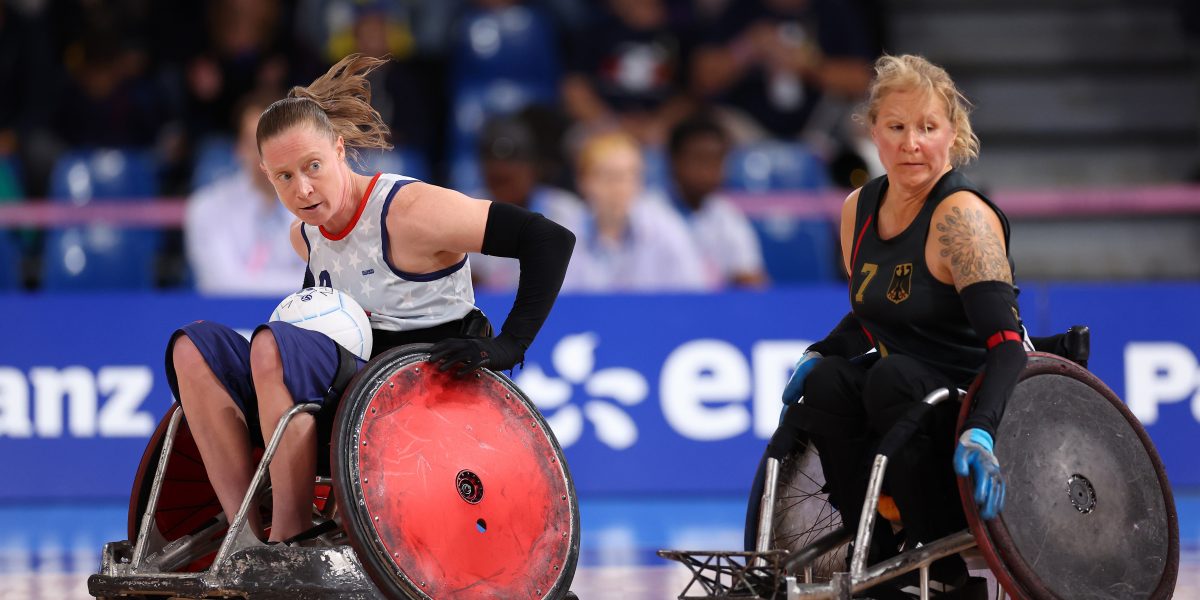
(330, 312)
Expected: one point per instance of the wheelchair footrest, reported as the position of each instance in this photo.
(723, 574)
(271, 572)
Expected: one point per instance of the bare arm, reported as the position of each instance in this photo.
(431, 227)
(969, 242)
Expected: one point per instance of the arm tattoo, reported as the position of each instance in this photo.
(975, 253)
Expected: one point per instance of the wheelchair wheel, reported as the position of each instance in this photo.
(1088, 512)
(187, 503)
(452, 486)
(803, 513)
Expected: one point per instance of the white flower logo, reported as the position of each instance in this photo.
(574, 358)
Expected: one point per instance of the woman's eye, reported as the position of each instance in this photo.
(285, 177)
(314, 166)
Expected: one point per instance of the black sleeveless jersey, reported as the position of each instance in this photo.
(902, 307)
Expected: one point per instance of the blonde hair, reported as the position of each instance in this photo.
(602, 144)
(338, 103)
(912, 72)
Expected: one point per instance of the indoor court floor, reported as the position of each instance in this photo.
(47, 551)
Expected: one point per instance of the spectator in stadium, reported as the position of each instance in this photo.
(628, 242)
(931, 290)
(330, 29)
(416, 288)
(728, 244)
(26, 73)
(508, 156)
(246, 48)
(110, 98)
(237, 234)
(627, 69)
(787, 69)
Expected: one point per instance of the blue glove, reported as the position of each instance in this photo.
(974, 454)
(795, 386)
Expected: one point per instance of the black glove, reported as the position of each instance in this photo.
(500, 353)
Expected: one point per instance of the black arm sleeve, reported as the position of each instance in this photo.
(543, 248)
(991, 307)
(847, 340)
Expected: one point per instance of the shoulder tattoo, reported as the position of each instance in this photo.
(975, 253)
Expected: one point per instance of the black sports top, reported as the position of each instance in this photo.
(902, 307)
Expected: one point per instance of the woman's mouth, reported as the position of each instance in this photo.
(310, 207)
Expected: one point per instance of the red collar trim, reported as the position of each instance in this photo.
(362, 204)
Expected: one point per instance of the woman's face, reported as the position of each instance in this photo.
(613, 181)
(913, 134)
(306, 169)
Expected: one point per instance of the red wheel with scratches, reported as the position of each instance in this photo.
(452, 487)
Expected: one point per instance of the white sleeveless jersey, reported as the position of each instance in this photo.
(357, 263)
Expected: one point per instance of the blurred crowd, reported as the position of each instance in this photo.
(625, 120)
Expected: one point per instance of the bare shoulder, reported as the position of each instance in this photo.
(970, 240)
(437, 218)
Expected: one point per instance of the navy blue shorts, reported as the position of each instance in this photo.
(310, 364)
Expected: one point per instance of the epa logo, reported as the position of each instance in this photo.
(607, 392)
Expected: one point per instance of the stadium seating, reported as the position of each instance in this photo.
(775, 166)
(516, 43)
(797, 250)
(101, 256)
(501, 61)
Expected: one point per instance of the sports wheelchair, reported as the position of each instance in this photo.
(437, 487)
(1089, 512)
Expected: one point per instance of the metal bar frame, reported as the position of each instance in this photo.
(148, 526)
(239, 536)
(843, 584)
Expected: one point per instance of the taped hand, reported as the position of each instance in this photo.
(795, 386)
(500, 353)
(974, 455)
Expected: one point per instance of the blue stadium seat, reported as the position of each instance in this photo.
(775, 166)
(502, 60)
(216, 157)
(81, 176)
(10, 263)
(101, 256)
(516, 43)
(401, 161)
(797, 250)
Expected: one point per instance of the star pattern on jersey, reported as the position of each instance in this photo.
(336, 268)
(366, 225)
(354, 260)
(366, 287)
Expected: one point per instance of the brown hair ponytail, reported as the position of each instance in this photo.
(337, 103)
